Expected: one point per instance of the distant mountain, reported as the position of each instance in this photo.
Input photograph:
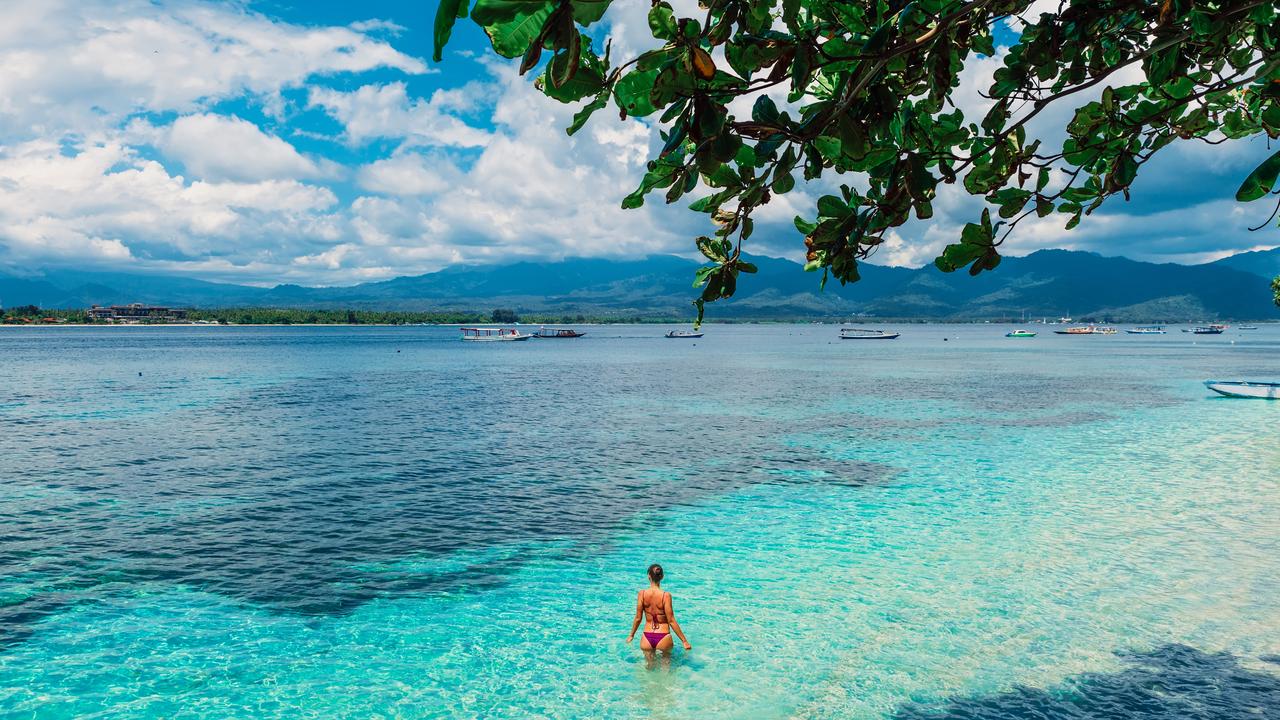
(1259, 262)
(1048, 283)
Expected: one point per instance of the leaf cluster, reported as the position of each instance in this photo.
(867, 90)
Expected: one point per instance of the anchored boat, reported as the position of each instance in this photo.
(493, 334)
(1210, 330)
(684, 334)
(859, 334)
(546, 332)
(1245, 389)
(1152, 330)
(1080, 330)
(1020, 334)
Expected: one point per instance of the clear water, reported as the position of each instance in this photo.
(386, 522)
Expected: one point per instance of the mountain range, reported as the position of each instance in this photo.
(1047, 283)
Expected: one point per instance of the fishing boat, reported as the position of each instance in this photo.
(1079, 330)
(1020, 334)
(1210, 330)
(1245, 389)
(546, 332)
(1150, 330)
(1104, 331)
(684, 334)
(859, 334)
(493, 334)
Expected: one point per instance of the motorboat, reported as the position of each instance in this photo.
(1079, 330)
(1020, 334)
(493, 334)
(683, 334)
(859, 334)
(557, 333)
(1104, 331)
(1246, 327)
(1210, 330)
(1150, 330)
(1245, 389)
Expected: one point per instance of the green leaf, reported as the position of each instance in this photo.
(587, 81)
(747, 267)
(447, 12)
(586, 12)
(512, 25)
(633, 90)
(662, 22)
(833, 207)
(804, 226)
(711, 249)
(1261, 180)
(580, 118)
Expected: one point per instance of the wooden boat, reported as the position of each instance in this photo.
(683, 334)
(1104, 331)
(1210, 330)
(546, 332)
(859, 334)
(493, 334)
(1151, 330)
(1245, 389)
(1080, 330)
(1020, 334)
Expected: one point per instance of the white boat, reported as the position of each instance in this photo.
(1245, 389)
(859, 334)
(1104, 331)
(1151, 330)
(493, 335)
(1020, 333)
(1246, 327)
(683, 334)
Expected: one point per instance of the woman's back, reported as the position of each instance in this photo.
(655, 605)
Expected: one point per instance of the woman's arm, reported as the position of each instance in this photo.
(636, 622)
(675, 626)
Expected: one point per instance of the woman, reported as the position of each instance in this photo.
(656, 603)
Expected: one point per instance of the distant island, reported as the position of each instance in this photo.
(1047, 284)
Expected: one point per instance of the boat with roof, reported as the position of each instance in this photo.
(1079, 330)
(683, 334)
(1020, 333)
(861, 334)
(493, 334)
(1245, 389)
(1148, 330)
(557, 333)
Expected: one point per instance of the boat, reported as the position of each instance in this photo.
(1246, 327)
(1150, 330)
(1079, 330)
(1104, 331)
(683, 334)
(1020, 334)
(1210, 330)
(859, 334)
(546, 332)
(1245, 389)
(493, 334)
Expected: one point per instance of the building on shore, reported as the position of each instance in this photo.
(136, 313)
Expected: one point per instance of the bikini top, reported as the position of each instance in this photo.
(658, 616)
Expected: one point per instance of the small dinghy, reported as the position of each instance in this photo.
(857, 334)
(1245, 389)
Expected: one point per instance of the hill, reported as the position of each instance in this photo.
(1048, 283)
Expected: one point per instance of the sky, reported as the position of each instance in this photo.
(314, 142)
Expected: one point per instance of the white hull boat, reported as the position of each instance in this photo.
(493, 335)
(856, 334)
(1245, 389)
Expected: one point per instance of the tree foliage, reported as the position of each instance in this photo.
(866, 90)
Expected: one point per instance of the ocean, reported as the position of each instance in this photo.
(386, 522)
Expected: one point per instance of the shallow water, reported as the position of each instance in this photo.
(361, 522)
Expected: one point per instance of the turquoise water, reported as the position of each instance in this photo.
(385, 522)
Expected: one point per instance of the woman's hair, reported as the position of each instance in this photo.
(655, 572)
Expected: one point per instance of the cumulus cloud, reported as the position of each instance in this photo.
(386, 111)
(216, 147)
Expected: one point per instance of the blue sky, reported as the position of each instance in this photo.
(314, 142)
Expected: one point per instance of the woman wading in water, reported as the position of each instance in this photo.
(656, 603)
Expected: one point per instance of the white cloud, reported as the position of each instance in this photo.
(386, 111)
(77, 65)
(215, 147)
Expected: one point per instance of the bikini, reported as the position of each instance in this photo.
(656, 637)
